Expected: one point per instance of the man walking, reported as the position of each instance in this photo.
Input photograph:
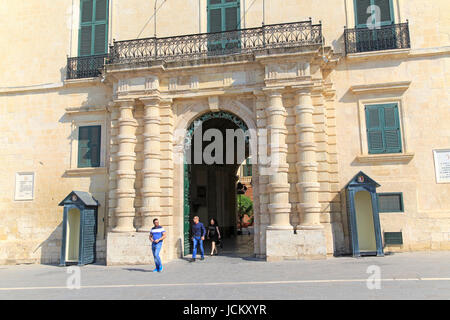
(198, 235)
(157, 236)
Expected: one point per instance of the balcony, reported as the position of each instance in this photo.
(85, 67)
(197, 46)
(200, 46)
(390, 37)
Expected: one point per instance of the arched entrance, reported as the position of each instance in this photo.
(215, 146)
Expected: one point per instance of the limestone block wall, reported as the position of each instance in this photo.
(424, 116)
(37, 134)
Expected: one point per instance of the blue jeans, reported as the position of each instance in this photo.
(156, 248)
(198, 240)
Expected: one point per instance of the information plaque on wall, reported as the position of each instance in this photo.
(24, 186)
(442, 165)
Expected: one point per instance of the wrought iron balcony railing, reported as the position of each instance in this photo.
(394, 36)
(85, 67)
(205, 45)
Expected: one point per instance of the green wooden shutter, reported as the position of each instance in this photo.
(392, 135)
(89, 139)
(85, 40)
(215, 20)
(231, 19)
(374, 130)
(95, 146)
(99, 39)
(361, 14)
(93, 39)
(383, 129)
(84, 160)
(87, 9)
(101, 10)
(386, 8)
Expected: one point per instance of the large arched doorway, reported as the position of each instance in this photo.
(215, 146)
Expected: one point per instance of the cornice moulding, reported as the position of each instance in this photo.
(383, 158)
(388, 87)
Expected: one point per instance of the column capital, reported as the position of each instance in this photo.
(273, 91)
(305, 89)
(259, 94)
(151, 101)
(125, 103)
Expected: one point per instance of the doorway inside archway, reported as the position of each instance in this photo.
(216, 147)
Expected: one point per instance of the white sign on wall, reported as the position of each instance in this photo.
(442, 165)
(24, 186)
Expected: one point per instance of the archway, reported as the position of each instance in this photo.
(215, 146)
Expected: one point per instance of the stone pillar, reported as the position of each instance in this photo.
(151, 190)
(307, 186)
(113, 164)
(260, 169)
(126, 175)
(279, 206)
(167, 175)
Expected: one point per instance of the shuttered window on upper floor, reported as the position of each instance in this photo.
(383, 129)
(372, 11)
(223, 15)
(93, 33)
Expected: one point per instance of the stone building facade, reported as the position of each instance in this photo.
(308, 89)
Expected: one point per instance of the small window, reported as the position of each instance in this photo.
(390, 202)
(89, 147)
(383, 129)
(247, 168)
(393, 238)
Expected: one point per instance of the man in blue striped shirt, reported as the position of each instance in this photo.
(157, 236)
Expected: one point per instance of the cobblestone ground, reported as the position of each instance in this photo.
(421, 275)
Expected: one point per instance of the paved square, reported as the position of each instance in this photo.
(422, 275)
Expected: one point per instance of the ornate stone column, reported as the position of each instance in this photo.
(307, 186)
(279, 206)
(151, 189)
(125, 212)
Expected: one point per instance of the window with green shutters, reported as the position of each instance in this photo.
(93, 33)
(375, 16)
(383, 129)
(89, 139)
(223, 15)
(362, 14)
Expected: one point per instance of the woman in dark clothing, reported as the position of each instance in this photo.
(213, 235)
